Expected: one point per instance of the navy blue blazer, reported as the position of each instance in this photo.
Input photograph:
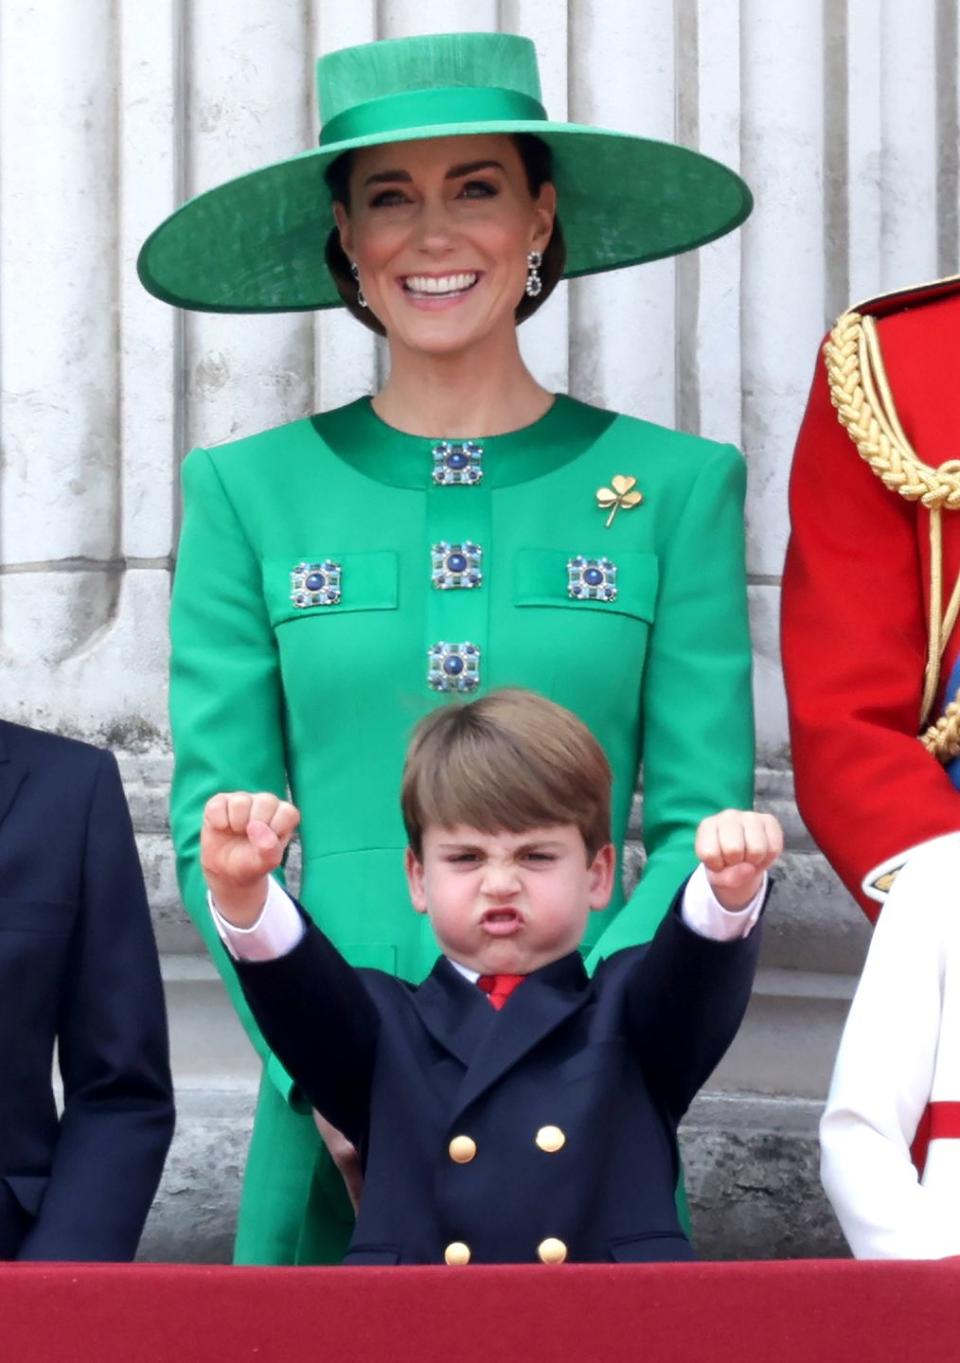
(79, 969)
(484, 1134)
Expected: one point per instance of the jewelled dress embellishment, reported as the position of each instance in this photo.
(316, 584)
(456, 565)
(457, 462)
(453, 667)
(620, 494)
(591, 579)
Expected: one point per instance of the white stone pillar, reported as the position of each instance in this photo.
(60, 490)
(346, 361)
(783, 250)
(623, 76)
(545, 338)
(909, 142)
(248, 102)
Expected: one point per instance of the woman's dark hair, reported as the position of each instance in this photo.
(538, 164)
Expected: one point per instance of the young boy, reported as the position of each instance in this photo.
(542, 1127)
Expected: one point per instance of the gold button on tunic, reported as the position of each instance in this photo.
(550, 1139)
(551, 1251)
(458, 1253)
(462, 1149)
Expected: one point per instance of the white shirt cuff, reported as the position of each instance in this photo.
(703, 913)
(275, 933)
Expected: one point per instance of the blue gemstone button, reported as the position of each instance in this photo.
(456, 565)
(457, 462)
(591, 579)
(316, 584)
(453, 667)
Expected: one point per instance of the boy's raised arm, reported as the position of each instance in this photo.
(310, 1004)
(691, 988)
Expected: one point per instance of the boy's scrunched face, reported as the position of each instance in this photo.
(507, 903)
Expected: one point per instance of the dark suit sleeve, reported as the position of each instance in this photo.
(685, 999)
(112, 1045)
(321, 1023)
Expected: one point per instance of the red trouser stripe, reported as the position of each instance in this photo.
(944, 1121)
(940, 1122)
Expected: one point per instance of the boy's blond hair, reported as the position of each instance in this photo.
(510, 761)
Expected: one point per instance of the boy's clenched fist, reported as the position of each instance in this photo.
(737, 847)
(242, 839)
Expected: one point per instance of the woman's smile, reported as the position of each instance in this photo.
(438, 291)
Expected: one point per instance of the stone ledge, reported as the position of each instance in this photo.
(194, 1215)
(752, 1170)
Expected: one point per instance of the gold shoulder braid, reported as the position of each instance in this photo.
(861, 393)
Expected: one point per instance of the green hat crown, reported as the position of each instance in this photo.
(421, 82)
(256, 243)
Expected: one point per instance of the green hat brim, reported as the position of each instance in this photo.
(256, 243)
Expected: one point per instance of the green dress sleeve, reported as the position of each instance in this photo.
(226, 705)
(696, 704)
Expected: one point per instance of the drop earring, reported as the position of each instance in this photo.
(361, 300)
(534, 284)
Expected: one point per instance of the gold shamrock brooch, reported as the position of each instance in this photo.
(620, 494)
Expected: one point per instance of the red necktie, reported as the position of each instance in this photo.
(498, 988)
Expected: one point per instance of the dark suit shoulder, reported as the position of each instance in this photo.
(388, 992)
(382, 982)
(42, 749)
(620, 964)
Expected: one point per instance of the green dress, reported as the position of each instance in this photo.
(311, 631)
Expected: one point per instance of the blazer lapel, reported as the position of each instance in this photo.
(535, 1008)
(12, 773)
(454, 1011)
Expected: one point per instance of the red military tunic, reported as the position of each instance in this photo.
(855, 608)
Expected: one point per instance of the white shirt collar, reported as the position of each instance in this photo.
(465, 971)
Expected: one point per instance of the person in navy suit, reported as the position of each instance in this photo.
(79, 973)
(543, 1127)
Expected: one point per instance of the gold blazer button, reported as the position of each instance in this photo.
(550, 1139)
(457, 1253)
(551, 1251)
(462, 1149)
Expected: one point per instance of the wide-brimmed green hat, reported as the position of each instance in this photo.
(256, 243)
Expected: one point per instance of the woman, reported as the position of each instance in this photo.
(342, 575)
